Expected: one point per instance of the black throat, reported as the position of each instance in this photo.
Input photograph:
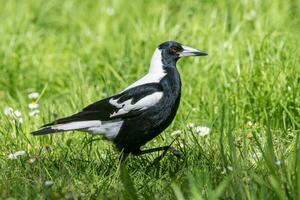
(171, 82)
(168, 61)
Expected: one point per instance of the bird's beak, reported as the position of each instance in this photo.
(189, 51)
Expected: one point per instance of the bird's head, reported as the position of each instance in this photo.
(172, 51)
(168, 53)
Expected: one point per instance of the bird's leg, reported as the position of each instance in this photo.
(175, 152)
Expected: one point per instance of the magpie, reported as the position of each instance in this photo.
(138, 113)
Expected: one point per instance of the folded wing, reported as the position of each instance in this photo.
(107, 115)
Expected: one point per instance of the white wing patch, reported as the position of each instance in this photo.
(155, 74)
(142, 104)
(109, 129)
(76, 125)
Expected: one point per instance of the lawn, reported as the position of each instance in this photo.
(247, 92)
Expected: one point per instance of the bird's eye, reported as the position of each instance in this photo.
(174, 50)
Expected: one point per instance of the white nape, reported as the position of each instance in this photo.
(109, 129)
(142, 104)
(156, 71)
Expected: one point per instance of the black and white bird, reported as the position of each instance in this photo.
(140, 112)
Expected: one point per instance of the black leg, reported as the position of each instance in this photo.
(175, 152)
(123, 156)
(164, 148)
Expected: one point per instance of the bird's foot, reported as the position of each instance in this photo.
(174, 151)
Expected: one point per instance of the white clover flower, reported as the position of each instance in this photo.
(175, 133)
(48, 183)
(13, 156)
(278, 162)
(202, 131)
(17, 113)
(33, 95)
(33, 106)
(190, 125)
(33, 113)
(110, 11)
(8, 111)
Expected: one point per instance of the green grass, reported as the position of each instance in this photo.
(76, 52)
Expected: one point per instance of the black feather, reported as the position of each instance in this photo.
(45, 131)
(101, 110)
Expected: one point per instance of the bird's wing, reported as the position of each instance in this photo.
(128, 103)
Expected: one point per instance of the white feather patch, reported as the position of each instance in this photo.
(76, 125)
(109, 129)
(155, 74)
(143, 103)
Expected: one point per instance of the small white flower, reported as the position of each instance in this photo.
(33, 113)
(251, 15)
(229, 168)
(48, 183)
(224, 171)
(190, 125)
(13, 156)
(225, 46)
(249, 123)
(175, 133)
(20, 120)
(17, 113)
(103, 156)
(33, 106)
(202, 131)
(8, 111)
(257, 156)
(289, 88)
(33, 95)
(82, 194)
(32, 160)
(110, 11)
(278, 162)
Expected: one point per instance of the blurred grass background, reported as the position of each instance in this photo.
(76, 52)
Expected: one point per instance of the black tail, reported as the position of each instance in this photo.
(44, 131)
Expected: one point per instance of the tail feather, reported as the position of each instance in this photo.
(71, 126)
(44, 131)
